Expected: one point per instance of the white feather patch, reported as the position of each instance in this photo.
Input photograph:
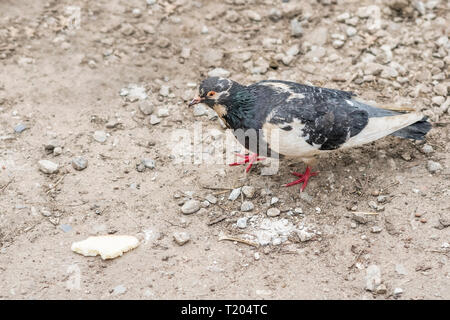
(380, 127)
(288, 142)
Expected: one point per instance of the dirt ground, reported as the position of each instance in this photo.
(63, 65)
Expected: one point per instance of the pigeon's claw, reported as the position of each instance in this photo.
(304, 177)
(250, 159)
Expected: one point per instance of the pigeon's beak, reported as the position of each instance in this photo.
(196, 101)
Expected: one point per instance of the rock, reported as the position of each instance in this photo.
(338, 44)
(211, 199)
(242, 223)
(231, 16)
(253, 15)
(381, 289)
(181, 238)
(79, 163)
(437, 100)
(373, 277)
(234, 194)
(427, 148)
(360, 217)
(46, 166)
(190, 207)
(376, 229)
(342, 17)
(185, 52)
(247, 206)
(318, 36)
(248, 191)
(163, 112)
(351, 31)
(398, 292)
(273, 212)
(148, 163)
(120, 289)
(20, 128)
(164, 90)
(296, 28)
(433, 166)
(100, 136)
(219, 72)
(154, 119)
(57, 151)
(293, 50)
(275, 14)
(298, 210)
(146, 107)
(45, 212)
(274, 200)
(441, 89)
(389, 72)
(304, 235)
(382, 199)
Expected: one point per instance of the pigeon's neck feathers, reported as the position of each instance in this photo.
(242, 103)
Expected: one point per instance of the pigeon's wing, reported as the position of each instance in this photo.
(297, 88)
(323, 123)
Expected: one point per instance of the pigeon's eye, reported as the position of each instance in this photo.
(211, 93)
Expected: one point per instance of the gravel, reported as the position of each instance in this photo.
(191, 206)
(373, 277)
(146, 107)
(273, 212)
(433, 166)
(234, 194)
(242, 223)
(219, 72)
(248, 191)
(247, 206)
(79, 163)
(100, 136)
(120, 289)
(20, 128)
(48, 167)
(181, 238)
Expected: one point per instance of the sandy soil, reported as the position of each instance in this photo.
(60, 76)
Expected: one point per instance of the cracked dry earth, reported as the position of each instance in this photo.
(63, 69)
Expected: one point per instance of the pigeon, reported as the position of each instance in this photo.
(301, 121)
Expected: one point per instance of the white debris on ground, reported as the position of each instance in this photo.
(265, 231)
(134, 92)
(108, 247)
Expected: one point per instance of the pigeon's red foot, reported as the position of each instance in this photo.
(304, 177)
(250, 159)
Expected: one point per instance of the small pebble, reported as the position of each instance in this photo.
(242, 223)
(181, 238)
(20, 128)
(248, 191)
(433, 166)
(247, 206)
(190, 206)
(120, 289)
(273, 212)
(47, 166)
(234, 194)
(100, 136)
(154, 119)
(79, 163)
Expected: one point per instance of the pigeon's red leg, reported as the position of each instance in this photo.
(250, 159)
(304, 177)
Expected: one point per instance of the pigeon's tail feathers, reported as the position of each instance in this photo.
(379, 127)
(416, 131)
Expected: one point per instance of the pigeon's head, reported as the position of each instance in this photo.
(215, 91)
